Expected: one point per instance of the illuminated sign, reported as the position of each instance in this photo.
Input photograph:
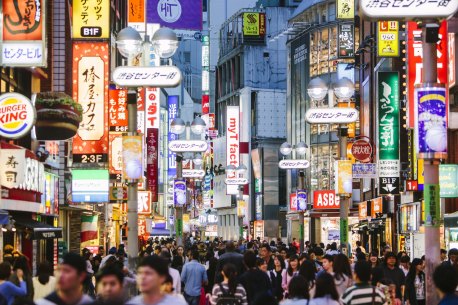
(326, 199)
(17, 115)
(91, 19)
(90, 185)
(162, 77)
(388, 39)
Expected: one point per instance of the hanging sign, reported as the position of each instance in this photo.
(132, 155)
(91, 19)
(193, 173)
(301, 200)
(346, 41)
(188, 146)
(362, 210)
(335, 115)
(345, 9)
(236, 181)
(152, 162)
(388, 39)
(17, 115)
(293, 202)
(364, 170)
(293, 164)
(361, 150)
(179, 192)
(344, 178)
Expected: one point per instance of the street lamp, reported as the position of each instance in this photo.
(317, 89)
(129, 42)
(165, 42)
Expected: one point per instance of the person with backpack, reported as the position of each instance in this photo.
(228, 292)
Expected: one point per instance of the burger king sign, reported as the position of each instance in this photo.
(17, 115)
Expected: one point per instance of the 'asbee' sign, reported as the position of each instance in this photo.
(325, 200)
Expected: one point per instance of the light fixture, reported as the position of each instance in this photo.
(165, 42)
(317, 89)
(301, 148)
(230, 169)
(198, 126)
(197, 159)
(177, 126)
(285, 149)
(129, 42)
(344, 88)
(242, 169)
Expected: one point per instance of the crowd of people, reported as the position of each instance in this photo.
(229, 273)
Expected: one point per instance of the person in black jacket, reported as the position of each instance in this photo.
(254, 280)
(415, 283)
(230, 256)
(179, 260)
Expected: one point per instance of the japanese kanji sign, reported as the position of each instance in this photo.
(346, 41)
(388, 39)
(115, 156)
(163, 76)
(153, 107)
(331, 115)
(254, 24)
(23, 33)
(117, 110)
(152, 162)
(172, 105)
(345, 9)
(90, 89)
(91, 19)
(407, 9)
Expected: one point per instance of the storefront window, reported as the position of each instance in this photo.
(322, 167)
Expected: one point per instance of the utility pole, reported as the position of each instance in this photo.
(344, 202)
(301, 186)
(178, 208)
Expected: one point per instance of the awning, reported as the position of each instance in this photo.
(40, 230)
(160, 232)
(4, 217)
(451, 220)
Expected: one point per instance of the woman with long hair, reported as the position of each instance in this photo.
(342, 273)
(415, 283)
(288, 273)
(275, 277)
(373, 259)
(308, 271)
(179, 260)
(298, 294)
(22, 263)
(326, 292)
(229, 286)
(44, 283)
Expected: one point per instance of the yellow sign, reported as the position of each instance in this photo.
(91, 19)
(421, 171)
(241, 208)
(388, 39)
(251, 24)
(344, 178)
(345, 9)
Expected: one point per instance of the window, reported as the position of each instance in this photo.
(187, 57)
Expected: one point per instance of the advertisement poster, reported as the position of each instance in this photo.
(388, 39)
(301, 200)
(344, 178)
(179, 192)
(175, 14)
(132, 156)
(91, 19)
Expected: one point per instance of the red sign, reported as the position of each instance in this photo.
(142, 229)
(325, 200)
(205, 104)
(415, 62)
(412, 185)
(361, 150)
(451, 60)
(152, 162)
(153, 107)
(117, 110)
(292, 202)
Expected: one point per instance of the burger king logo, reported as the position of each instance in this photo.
(17, 115)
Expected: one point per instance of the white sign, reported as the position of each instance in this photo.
(144, 202)
(331, 115)
(152, 107)
(162, 77)
(293, 164)
(188, 146)
(408, 9)
(193, 173)
(17, 115)
(232, 137)
(364, 170)
(16, 54)
(388, 168)
(236, 181)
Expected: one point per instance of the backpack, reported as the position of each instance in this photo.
(227, 298)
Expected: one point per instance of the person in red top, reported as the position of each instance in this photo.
(296, 245)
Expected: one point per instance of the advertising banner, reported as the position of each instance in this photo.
(448, 180)
(301, 200)
(90, 186)
(431, 120)
(132, 156)
(415, 63)
(344, 178)
(388, 39)
(115, 155)
(232, 142)
(325, 200)
(205, 104)
(91, 19)
(364, 170)
(345, 9)
(172, 102)
(23, 33)
(179, 192)
(254, 24)
(362, 210)
(175, 14)
(293, 202)
(152, 107)
(346, 41)
(90, 89)
(117, 110)
(152, 162)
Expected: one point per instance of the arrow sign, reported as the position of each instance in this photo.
(389, 188)
(161, 77)
(389, 185)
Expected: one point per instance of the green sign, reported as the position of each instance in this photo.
(179, 227)
(343, 231)
(388, 115)
(257, 185)
(448, 180)
(301, 231)
(432, 205)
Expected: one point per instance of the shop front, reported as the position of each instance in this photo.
(451, 230)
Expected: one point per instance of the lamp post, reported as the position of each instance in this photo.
(240, 181)
(299, 163)
(179, 126)
(344, 90)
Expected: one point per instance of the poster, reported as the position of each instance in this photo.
(388, 39)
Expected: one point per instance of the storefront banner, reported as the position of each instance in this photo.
(415, 63)
(91, 19)
(172, 102)
(117, 110)
(115, 153)
(362, 210)
(90, 89)
(431, 120)
(376, 206)
(152, 162)
(17, 115)
(293, 202)
(388, 39)
(175, 14)
(325, 200)
(346, 41)
(344, 180)
(90, 185)
(254, 24)
(232, 143)
(345, 9)
(301, 200)
(179, 192)
(132, 156)
(12, 163)
(364, 170)
(144, 203)
(448, 180)
(23, 33)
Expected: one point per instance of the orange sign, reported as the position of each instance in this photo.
(136, 11)
(117, 110)
(23, 20)
(377, 207)
(362, 210)
(351, 126)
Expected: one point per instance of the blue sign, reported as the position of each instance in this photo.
(176, 14)
(179, 192)
(364, 170)
(301, 200)
(172, 102)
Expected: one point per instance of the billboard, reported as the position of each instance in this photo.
(90, 185)
(91, 19)
(90, 89)
(175, 14)
(254, 24)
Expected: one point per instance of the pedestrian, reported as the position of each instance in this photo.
(254, 280)
(295, 245)
(362, 292)
(275, 277)
(261, 264)
(374, 260)
(333, 249)
(266, 254)
(211, 271)
(298, 293)
(229, 289)
(341, 271)
(111, 253)
(179, 260)
(167, 288)
(415, 291)
(308, 271)
(229, 256)
(88, 284)
(446, 280)
(328, 264)
(9, 290)
(151, 274)
(326, 292)
(109, 285)
(44, 283)
(194, 277)
(443, 255)
(22, 263)
(70, 279)
(316, 255)
(389, 272)
(287, 275)
(404, 263)
(174, 273)
(452, 257)
(360, 247)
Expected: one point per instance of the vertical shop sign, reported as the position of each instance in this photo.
(388, 132)
(388, 38)
(90, 89)
(152, 107)
(205, 104)
(432, 206)
(91, 19)
(451, 60)
(345, 9)
(301, 200)
(346, 41)
(136, 14)
(362, 210)
(152, 162)
(117, 110)
(232, 142)
(173, 113)
(23, 33)
(376, 206)
(415, 63)
(293, 202)
(448, 180)
(115, 153)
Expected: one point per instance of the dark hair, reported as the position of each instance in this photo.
(318, 251)
(5, 270)
(266, 245)
(111, 260)
(341, 266)
(308, 271)
(290, 269)
(230, 272)
(44, 272)
(361, 257)
(156, 263)
(445, 278)
(230, 246)
(264, 298)
(112, 270)
(281, 260)
(297, 288)
(75, 261)
(260, 262)
(249, 258)
(304, 256)
(22, 263)
(195, 254)
(389, 255)
(404, 259)
(358, 243)
(334, 246)
(168, 279)
(443, 251)
(325, 285)
(363, 271)
(412, 274)
(329, 258)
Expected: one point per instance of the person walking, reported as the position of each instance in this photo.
(415, 292)
(229, 256)
(276, 277)
(22, 263)
(289, 273)
(254, 280)
(445, 279)
(174, 273)
(44, 283)
(179, 260)
(362, 292)
(109, 285)
(70, 279)
(298, 293)
(342, 273)
(308, 271)
(194, 277)
(7, 289)
(326, 292)
(229, 288)
(390, 272)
